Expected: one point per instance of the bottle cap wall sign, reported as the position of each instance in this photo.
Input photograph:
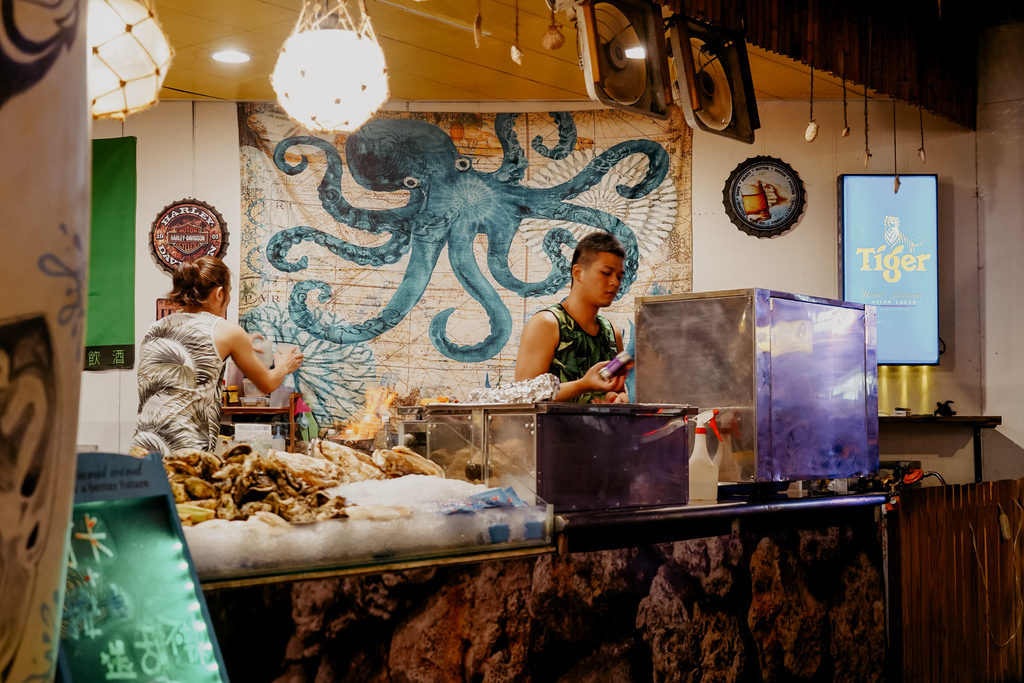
(764, 196)
(186, 230)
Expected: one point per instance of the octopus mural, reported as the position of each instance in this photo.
(451, 203)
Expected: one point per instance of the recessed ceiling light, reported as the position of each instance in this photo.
(231, 56)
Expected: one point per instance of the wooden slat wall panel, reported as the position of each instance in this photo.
(900, 48)
(945, 596)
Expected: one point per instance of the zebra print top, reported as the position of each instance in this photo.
(180, 375)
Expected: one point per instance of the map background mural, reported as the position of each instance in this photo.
(404, 356)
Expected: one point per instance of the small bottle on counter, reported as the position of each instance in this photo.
(390, 433)
(278, 442)
(385, 438)
(232, 394)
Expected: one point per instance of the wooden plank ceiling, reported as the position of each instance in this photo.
(428, 45)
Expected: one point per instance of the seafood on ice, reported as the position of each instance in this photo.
(244, 484)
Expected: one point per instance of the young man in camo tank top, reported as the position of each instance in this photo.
(569, 339)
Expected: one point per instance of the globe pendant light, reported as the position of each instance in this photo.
(331, 75)
(130, 56)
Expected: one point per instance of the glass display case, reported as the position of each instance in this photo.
(794, 378)
(572, 456)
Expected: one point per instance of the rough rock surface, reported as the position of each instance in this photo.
(788, 623)
(723, 650)
(610, 663)
(587, 596)
(792, 606)
(689, 644)
(329, 612)
(665, 622)
(858, 623)
(717, 562)
(476, 629)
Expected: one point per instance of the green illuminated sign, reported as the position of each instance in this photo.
(133, 610)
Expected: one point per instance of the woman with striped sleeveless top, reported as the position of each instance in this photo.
(181, 363)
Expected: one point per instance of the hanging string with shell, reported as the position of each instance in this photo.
(812, 127)
(867, 77)
(478, 24)
(553, 37)
(846, 125)
(896, 182)
(517, 54)
(920, 118)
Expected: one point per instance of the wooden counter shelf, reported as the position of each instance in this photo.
(975, 422)
(289, 410)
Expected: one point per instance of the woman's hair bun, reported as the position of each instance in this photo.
(194, 281)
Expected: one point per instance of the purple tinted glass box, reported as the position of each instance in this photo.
(794, 376)
(572, 456)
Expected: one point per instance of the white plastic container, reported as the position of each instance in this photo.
(267, 349)
(232, 373)
(279, 397)
(249, 389)
(703, 470)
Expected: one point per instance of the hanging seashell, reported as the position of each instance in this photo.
(920, 153)
(553, 39)
(811, 132)
(478, 29)
(517, 55)
(896, 184)
(867, 155)
(846, 132)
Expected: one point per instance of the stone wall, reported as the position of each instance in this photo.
(789, 606)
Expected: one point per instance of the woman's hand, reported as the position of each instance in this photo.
(290, 359)
(234, 341)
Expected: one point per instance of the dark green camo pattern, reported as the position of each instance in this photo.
(577, 351)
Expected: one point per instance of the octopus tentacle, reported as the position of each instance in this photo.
(429, 237)
(374, 221)
(498, 247)
(467, 271)
(513, 166)
(603, 164)
(585, 215)
(282, 242)
(566, 137)
(424, 257)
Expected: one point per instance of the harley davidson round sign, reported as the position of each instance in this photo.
(186, 230)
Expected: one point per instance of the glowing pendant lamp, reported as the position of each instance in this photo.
(130, 56)
(330, 75)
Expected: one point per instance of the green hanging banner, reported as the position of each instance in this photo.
(110, 317)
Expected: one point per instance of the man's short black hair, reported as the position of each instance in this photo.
(595, 243)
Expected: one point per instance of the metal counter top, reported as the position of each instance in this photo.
(627, 528)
